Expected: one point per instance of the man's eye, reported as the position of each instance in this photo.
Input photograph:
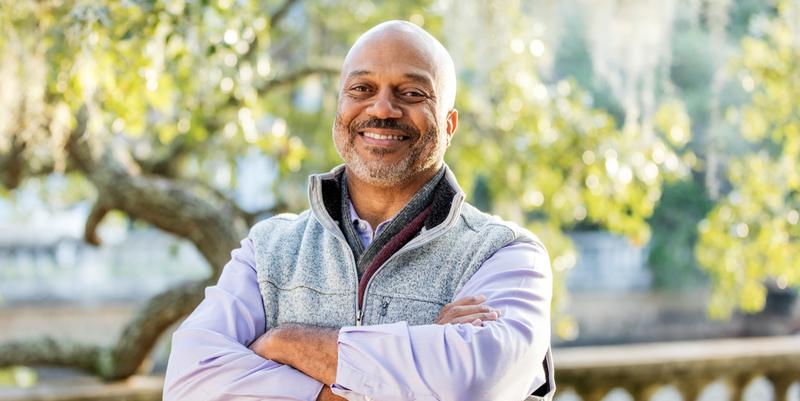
(413, 94)
(359, 88)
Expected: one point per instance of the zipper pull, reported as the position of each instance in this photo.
(384, 306)
(358, 318)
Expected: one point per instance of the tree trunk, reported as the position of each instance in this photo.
(214, 225)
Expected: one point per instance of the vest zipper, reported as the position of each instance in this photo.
(359, 312)
(406, 248)
(352, 259)
(424, 238)
(413, 244)
(354, 269)
(333, 227)
(384, 309)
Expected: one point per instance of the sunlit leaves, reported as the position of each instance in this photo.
(672, 119)
(543, 155)
(214, 80)
(18, 376)
(752, 237)
(570, 163)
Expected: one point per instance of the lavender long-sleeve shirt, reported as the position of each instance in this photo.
(500, 361)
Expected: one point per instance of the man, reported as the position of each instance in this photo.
(321, 306)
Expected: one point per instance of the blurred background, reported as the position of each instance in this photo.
(653, 145)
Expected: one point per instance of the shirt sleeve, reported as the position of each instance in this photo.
(210, 359)
(500, 361)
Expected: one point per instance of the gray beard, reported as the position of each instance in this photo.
(381, 174)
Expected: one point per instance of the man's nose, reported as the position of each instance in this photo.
(384, 106)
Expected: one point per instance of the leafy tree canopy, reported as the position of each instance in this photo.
(751, 238)
(150, 104)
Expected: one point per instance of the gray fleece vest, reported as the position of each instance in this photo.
(307, 273)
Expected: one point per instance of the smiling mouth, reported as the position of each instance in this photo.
(383, 137)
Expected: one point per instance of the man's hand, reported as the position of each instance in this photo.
(311, 350)
(314, 350)
(468, 310)
(327, 395)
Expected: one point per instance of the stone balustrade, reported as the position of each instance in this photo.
(589, 372)
(642, 369)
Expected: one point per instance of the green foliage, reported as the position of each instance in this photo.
(752, 235)
(217, 79)
(214, 78)
(549, 156)
(542, 155)
(17, 376)
(672, 260)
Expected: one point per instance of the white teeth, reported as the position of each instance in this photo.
(375, 135)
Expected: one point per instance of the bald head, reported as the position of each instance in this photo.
(395, 115)
(403, 41)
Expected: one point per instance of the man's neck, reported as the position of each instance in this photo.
(377, 204)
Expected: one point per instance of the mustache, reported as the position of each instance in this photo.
(388, 123)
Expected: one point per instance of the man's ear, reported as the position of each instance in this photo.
(452, 124)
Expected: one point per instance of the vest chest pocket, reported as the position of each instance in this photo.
(307, 306)
(390, 309)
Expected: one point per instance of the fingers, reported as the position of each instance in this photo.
(480, 317)
(470, 300)
(468, 310)
(458, 311)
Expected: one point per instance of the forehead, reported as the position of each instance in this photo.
(391, 55)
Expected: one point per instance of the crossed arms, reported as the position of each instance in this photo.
(211, 360)
(314, 350)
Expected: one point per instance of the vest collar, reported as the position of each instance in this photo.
(325, 203)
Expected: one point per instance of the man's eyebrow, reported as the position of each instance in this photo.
(419, 78)
(358, 73)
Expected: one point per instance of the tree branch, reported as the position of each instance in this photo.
(96, 215)
(12, 164)
(52, 352)
(165, 163)
(208, 219)
(128, 352)
(294, 76)
(213, 225)
(16, 165)
(140, 334)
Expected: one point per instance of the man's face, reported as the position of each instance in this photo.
(389, 125)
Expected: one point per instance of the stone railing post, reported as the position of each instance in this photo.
(781, 384)
(591, 393)
(643, 392)
(690, 389)
(641, 369)
(737, 384)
